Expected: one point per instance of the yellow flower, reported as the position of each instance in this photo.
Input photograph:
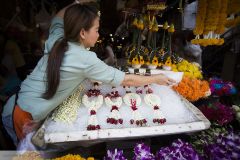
(141, 60)
(171, 28)
(168, 62)
(165, 25)
(90, 158)
(140, 24)
(155, 61)
(135, 60)
(135, 22)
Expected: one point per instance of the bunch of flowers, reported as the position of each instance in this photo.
(142, 152)
(152, 62)
(190, 69)
(179, 150)
(192, 88)
(220, 87)
(219, 113)
(114, 155)
(152, 24)
(138, 23)
(225, 147)
(136, 60)
(73, 157)
(200, 140)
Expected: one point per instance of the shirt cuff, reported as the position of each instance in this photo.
(118, 78)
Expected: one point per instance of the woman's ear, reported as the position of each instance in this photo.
(82, 34)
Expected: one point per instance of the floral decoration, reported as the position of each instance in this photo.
(154, 101)
(114, 101)
(93, 106)
(134, 101)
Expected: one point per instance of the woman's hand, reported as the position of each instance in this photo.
(137, 80)
(161, 79)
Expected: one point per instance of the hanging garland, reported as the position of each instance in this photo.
(93, 106)
(210, 22)
(201, 14)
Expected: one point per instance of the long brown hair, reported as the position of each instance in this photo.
(76, 18)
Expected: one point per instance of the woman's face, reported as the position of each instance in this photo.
(89, 38)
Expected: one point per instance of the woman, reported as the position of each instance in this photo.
(59, 73)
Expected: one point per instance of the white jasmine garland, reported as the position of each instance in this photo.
(93, 106)
(114, 117)
(67, 110)
(154, 101)
(133, 100)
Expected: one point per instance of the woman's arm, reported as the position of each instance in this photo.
(137, 80)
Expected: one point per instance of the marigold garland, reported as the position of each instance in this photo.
(210, 22)
(233, 7)
(212, 16)
(201, 14)
(192, 88)
(222, 17)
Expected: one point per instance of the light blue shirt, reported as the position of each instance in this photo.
(78, 65)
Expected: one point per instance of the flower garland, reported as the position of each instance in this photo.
(212, 16)
(93, 106)
(201, 14)
(133, 100)
(210, 22)
(154, 101)
(67, 110)
(192, 88)
(114, 117)
(28, 155)
(222, 18)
